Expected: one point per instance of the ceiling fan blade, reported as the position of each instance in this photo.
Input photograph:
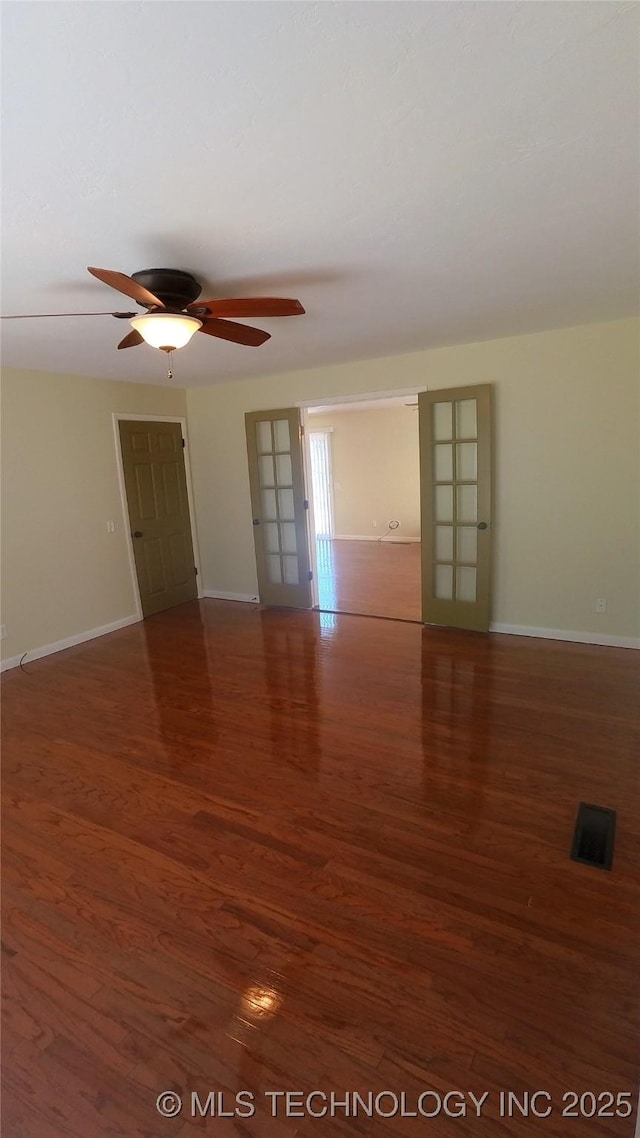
(250, 306)
(49, 315)
(237, 333)
(131, 341)
(127, 285)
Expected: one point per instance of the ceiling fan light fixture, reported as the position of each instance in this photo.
(166, 330)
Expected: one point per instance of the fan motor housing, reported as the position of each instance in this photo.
(175, 288)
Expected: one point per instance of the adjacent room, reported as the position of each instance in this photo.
(320, 567)
(364, 462)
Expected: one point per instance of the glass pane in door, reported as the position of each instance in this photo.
(269, 512)
(271, 539)
(263, 437)
(444, 582)
(466, 544)
(288, 537)
(466, 419)
(290, 569)
(442, 421)
(443, 462)
(265, 464)
(283, 470)
(274, 569)
(467, 462)
(282, 437)
(467, 503)
(444, 503)
(286, 505)
(444, 543)
(465, 583)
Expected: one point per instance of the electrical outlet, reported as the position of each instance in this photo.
(111, 527)
(374, 524)
(3, 632)
(601, 605)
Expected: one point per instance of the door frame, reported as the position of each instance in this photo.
(307, 423)
(117, 417)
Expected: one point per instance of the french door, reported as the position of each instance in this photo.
(279, 507)
(455, 493)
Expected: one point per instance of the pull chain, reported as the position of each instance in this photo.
(169, 368)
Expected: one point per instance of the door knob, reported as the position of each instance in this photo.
(138, 533)
(482, 525)
(256, 521)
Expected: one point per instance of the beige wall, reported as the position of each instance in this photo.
(376, 470)
(567, 451)
(62, 573)
(566, 467)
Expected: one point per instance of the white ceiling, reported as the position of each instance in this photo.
(417, 174)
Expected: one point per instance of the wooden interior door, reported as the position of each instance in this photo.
(455, 497)
(156, 487)
(279, 507)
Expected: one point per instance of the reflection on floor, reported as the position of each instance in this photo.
(376, 578)
(253, 849)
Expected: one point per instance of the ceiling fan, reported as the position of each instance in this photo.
(174, 313)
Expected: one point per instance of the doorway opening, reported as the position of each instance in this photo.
(414, 486)
(364, 462)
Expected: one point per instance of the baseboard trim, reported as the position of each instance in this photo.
(368, 537)
(562, 634)
(68, 642)
(221, 595)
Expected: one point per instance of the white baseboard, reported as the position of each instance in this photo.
(369, 537)
(68, 642)
(561, 634)
(220, 595)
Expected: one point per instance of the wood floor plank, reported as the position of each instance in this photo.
(260, 849)
(376, 578)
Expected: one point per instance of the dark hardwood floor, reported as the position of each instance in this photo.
(268, 850)
(374, 578)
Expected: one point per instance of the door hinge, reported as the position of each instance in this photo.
(195, 570)
(183, 444)
(300, 431)
(310, 575)
(306, 503)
